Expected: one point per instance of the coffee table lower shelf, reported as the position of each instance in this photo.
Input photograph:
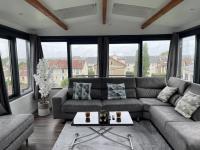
(101, 133)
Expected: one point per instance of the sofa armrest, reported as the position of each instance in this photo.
(58, 100)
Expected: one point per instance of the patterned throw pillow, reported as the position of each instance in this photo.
(81, 91)
(116, 91)
(188, 104)
(166, 93)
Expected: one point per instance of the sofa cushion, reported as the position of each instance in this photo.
(96, 82)
(188, 104)
(174, 99)
(161, 115)
(183, 135)
(81, 105)
(12, 126)
(147, 102)
(130, 86)
(166, 93)
(194, 88)
(147, 93)
(116, 91)
(130, 104)
(149, 87)
(150, 82)
(180, 84)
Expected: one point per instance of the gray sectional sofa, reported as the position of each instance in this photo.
(141, 102)
(14, 130)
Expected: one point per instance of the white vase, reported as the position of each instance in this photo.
(43, 109)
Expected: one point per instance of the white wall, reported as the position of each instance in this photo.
(23, 105)
(26, 104)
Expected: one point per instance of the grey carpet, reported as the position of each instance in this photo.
(145, 137)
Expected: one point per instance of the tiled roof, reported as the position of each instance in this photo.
(62, 64)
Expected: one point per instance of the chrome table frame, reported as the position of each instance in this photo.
(100, 133)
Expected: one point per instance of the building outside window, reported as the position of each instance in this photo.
(123, 60)
(154, 58)
(84, 60)
(187, 62)
(5, 56)
(56, 54)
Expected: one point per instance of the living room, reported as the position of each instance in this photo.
(100, 75)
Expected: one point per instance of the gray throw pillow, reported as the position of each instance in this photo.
(188, 104)
(166, 93)
(81, 91)
(2, 110)
(116, 91)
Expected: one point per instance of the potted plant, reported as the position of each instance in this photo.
(44, 81)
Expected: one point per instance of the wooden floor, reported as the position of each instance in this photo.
(46, 132)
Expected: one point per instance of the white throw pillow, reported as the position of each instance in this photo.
(188, 104)
(166, 93)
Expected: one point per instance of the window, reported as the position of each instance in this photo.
(187, 63)
(56, 54)
(154, 58)
(84, 60)
(23, 53)
(5, 56)
(123, 59)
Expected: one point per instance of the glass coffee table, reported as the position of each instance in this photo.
(80, 120)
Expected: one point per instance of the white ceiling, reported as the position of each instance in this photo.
(84, 17)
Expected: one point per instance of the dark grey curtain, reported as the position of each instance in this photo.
(197, 62)
(173, 57)
(37, 53)
(103, 56)
(4, 100)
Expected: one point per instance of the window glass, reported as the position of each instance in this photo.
(123, 59)
(23, 53)
(154, 58)
(187, 63)
(5, 56)
(84, 60)
(56, 54)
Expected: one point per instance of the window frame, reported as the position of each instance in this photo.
(146, 40)
(67, 47)
(14, 68)
(83, 43)
(181, 55)
(115, 41)
(11, 67)
(29, 66)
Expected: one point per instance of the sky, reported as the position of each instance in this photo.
(58, 49)
(188, 46)
(21, 48)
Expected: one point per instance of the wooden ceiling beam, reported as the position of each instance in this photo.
(161, 12)
(39, 6)
(104, 10)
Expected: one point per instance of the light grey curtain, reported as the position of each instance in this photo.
(197, 62)
(37, 53)
(173, 57)
(4, 100)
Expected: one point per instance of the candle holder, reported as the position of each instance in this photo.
(118, 114)
(87, 116)
(103, 117)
